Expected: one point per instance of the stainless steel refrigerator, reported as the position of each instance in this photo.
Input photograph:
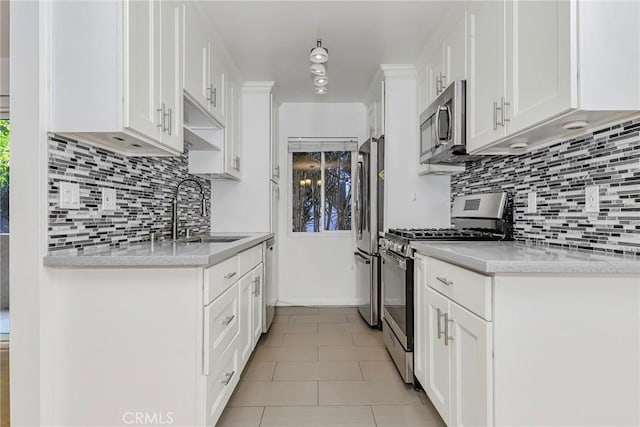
(369, 192)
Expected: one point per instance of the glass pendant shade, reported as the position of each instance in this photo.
(320, 81)
(318, 70)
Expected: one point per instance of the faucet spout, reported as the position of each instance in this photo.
(174, 205)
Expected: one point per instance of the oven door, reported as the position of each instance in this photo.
(397, 284)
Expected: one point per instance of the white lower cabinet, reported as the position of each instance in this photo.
(453, 353)
(230, 331)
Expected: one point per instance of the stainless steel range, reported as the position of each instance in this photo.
(487, 216)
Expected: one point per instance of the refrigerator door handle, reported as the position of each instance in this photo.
(361, 258)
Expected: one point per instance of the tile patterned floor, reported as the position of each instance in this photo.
(324, 367)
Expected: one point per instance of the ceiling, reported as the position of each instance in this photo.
(271, 40)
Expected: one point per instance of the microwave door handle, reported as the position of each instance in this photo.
(437, 118)
(449, 122)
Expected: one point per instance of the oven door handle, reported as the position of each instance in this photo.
(402, 263)
(362, 258)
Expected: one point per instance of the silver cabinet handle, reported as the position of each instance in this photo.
(209, 94)
(228, 320)
(167, 116)
(227, 377)
(277, 171)
(215, 97)
(447, 338)
(277, 193)
(445, 281)
(438, 85)
(443, 79)
(503, 110)
(495, 115)
(256, 286)
(439, 314)
(229, 275)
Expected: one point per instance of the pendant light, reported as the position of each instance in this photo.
(321, 90)
(319, 54)
(318, 70)
(320, 81)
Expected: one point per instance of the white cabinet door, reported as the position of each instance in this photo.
(436, 383)
(171, 79)
(538, 62)
(371, 119)
(232, 152)
(246, 325)
(257, 305)
(471, 368)
(275, 151)
(434, 72)
(143, 112)
(217, 84)
(455, 53)
(380, 112)
(420, 320)
(274, 208)
(196, 57)
(485, 82)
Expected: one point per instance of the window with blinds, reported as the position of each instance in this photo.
(321, 184)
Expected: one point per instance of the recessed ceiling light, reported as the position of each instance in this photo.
(578, 124)
(318, 70)
(320, 80)
(117, 138)
(319, 54)
(518, 145)
(321, 90)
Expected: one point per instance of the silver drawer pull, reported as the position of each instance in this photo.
(228, 319)
(439, 314)
(229, 275)
(445, 281)
(227, 377)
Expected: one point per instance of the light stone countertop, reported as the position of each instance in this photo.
(160, 254)
(513, 257)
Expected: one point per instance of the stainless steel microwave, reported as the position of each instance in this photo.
(443, 128)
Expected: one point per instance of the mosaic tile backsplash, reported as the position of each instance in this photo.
(608, 158)
(144, 191)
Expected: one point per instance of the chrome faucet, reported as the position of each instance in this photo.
(203, 206)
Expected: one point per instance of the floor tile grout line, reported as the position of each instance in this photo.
(373, 415)
(264, 408)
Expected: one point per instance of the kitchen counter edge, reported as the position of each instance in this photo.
(159, 255)
(514, 258)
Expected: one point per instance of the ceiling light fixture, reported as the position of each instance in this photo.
(578, 124)
(319, 54)
(320, 81)
(318, 70)
(322, 90)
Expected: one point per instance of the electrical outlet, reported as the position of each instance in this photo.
(592, 199)
(108, 199)
(69, 195)
(532, 202)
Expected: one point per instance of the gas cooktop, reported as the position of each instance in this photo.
(442, 234)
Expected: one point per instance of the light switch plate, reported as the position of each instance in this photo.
(532, 202)
(592, 199)
(108, 199)
(69, 195)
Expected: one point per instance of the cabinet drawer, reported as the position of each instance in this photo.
(219, 277)
(249, 259)
(221, 326)
(220, 385)
(468, 288)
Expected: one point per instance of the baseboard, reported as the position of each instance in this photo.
(317, 302)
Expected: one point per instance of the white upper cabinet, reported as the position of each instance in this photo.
(376, 108)
(538, 62)
(274, 143)
(557, 68)
(196, 58)
(232, 146)
(454, 53)
(485, 82)
(116, 75)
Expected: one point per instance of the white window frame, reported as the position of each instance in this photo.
(322, 233)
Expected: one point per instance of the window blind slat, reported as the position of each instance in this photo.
(306, 145)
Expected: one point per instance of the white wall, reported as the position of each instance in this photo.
(244, 205)
(411, 200)
(316, 269)
(31, 349)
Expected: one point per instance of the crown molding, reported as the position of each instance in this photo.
(399, 71)
(257, 87)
